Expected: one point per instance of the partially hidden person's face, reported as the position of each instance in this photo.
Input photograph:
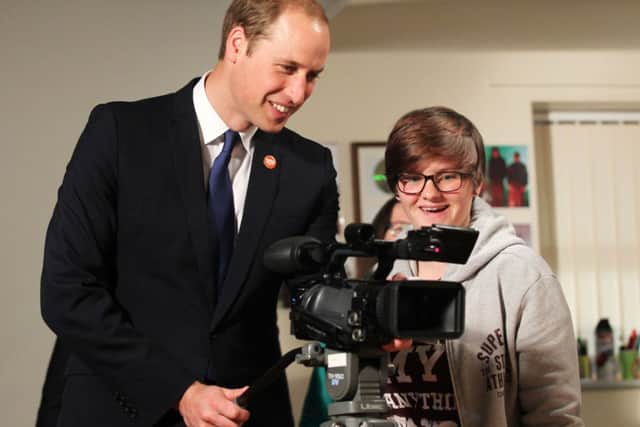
(399, 224)
(280, 72)
(434, 207)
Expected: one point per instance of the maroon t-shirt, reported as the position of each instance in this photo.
(420, 392)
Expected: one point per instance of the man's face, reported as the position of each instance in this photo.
(277, 77)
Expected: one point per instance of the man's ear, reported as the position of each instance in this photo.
(479, 189)
(236, 44)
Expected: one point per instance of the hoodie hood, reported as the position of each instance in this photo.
(495, 235)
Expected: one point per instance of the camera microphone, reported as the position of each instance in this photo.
(295, 255)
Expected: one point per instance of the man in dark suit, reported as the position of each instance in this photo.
(133, 281)
(53, 387)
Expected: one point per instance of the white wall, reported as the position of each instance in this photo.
(59, 59)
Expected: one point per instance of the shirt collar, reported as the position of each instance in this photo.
(211, 125)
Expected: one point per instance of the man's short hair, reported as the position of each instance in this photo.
(256, 17)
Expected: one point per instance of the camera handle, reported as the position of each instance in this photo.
(354, 383)
(268, 377)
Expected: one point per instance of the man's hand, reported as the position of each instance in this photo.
(207, 406)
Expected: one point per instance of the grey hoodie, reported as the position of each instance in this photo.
(516, 363)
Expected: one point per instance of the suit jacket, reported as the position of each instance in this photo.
(53, 386)
(129, 268)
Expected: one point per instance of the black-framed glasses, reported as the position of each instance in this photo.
(445, 181)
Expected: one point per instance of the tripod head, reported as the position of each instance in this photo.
(354, 383)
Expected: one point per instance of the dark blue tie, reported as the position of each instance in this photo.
(221, 210)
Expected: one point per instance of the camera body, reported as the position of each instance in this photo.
(352, 315)
(359, 313)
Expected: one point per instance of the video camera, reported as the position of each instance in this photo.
(354, 317)
(350, 314)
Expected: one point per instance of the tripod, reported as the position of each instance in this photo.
(354, 382)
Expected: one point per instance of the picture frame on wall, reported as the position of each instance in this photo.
(370, 189)
(507, 184)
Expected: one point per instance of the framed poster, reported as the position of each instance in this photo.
(507, 176)
(370, 189)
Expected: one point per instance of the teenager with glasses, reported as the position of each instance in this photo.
(515, 363)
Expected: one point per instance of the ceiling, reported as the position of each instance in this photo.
(333, 7)
(369, 2)
(485, 24)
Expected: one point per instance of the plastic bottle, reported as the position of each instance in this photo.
(584, 362)
(605, 361)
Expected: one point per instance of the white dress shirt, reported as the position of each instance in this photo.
(212, 130)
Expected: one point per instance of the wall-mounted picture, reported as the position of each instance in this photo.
(370, 189)
(507, 182)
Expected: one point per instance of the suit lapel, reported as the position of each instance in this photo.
(262, 190)
(187, 157)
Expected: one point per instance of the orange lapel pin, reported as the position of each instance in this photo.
(269, 162)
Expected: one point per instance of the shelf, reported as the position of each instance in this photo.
(609, 385)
